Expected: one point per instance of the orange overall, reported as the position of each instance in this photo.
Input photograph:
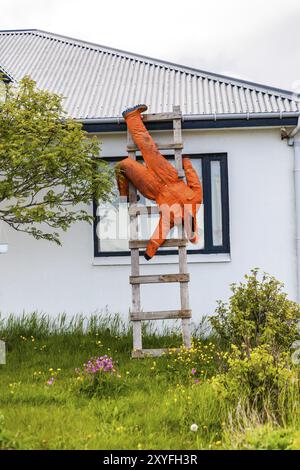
(159, 181)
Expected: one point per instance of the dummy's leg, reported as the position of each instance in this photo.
(153, 158)
(159, 235)
(143, 179)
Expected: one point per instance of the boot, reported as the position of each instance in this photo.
(140, 108)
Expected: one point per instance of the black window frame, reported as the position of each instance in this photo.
(209, 248)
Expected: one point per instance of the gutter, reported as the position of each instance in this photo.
(203, 117)
(294, 141)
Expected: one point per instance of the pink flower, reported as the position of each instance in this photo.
(196, 381)
(99, 364)
(50, 381)
(193, 371)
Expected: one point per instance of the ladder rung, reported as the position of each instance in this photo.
(141, 210)
(161, 116)
(156, 278)
(178, 145)
(143, 353)
(167, 243)
(160, 315)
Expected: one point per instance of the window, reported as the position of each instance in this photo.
(213, 216)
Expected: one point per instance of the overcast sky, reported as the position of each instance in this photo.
(252, 39)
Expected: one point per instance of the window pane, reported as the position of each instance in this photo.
(112, 227)
(113, 223)
(197, 164)
(216, 200)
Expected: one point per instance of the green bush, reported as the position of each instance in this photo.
(260, 382)
(257, 328)
(258, 313)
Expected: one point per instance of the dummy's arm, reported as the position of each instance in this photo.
(192, 178)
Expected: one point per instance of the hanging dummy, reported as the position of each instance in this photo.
(178, 201)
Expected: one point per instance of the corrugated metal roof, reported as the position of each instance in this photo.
(99, 82)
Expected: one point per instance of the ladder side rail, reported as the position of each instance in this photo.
(177, 135)
(135, 260)
(184, 297)
(182, 250)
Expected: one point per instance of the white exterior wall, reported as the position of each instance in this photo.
(37, 275)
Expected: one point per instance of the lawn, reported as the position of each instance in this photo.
(149, 403)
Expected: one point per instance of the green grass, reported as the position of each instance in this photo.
(153, 407)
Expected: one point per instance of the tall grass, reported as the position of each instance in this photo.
(40, 325)
(43, 325)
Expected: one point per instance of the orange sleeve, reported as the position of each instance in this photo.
(191, 177)
(122, 181)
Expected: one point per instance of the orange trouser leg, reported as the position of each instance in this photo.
(166, 222)
(153, 158)
(143, 179)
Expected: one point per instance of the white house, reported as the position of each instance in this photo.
(232, 130)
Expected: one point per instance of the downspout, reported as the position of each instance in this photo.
(294, 141)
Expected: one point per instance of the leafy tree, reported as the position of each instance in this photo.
(49, 168)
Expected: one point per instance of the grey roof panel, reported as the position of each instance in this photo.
(99, 82)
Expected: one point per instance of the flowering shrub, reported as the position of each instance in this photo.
(99, 377)
(262, 382)
(258, 328)
(102, 364)
(258, 313)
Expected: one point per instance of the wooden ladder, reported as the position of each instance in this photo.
(136, 313)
